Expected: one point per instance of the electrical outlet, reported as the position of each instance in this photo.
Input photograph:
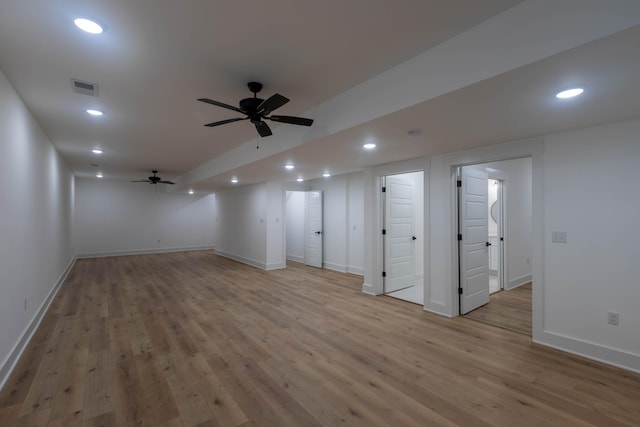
(613, 318)
(559, 236)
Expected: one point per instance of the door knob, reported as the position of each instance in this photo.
(414, 238)
(488, 244)
(318, 232)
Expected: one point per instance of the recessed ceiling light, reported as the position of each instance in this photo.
(326, 174)
(95, 112)
(300, 179)
(569, 93)
(234, 180)
(369, 146)
(88, 25)
(97, 151)
(99, 175)
(190, 191)
(289, 166)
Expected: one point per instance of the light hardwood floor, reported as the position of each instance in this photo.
(193, 339)
(508, 310)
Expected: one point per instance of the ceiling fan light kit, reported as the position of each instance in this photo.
(257, 110)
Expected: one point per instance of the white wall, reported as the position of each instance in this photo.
(118, 217)
(355, 221)
(591, 181)
(295, 225)
(274, 219)
(241, 233)
(36, 208)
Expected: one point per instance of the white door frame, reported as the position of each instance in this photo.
(391, 242)
(535, 153)
(373, 241)
(502, 198)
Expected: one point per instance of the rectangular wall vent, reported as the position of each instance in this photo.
(84, 88)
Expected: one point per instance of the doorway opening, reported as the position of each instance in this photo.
(496, 235)
(403, 236)
(304, 227)
(494, 240)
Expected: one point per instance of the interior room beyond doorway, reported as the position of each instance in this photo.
(495, 240)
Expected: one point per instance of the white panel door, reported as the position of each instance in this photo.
(313, 229)
(399, 237)
(474, 256)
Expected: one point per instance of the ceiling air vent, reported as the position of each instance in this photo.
(84, 88)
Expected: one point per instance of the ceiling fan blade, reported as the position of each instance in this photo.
(167, 182)
(263, 129)
(224, 122)
(272, 103)
(141, 180)
(221, 104)
(291, 120)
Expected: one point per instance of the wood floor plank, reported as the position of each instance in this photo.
(509, 309)
(193, 339)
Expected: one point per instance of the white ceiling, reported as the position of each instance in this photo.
(466, 73)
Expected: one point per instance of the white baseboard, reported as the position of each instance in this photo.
(143, 251)
(367, 288)
(248, 261)
(519, 281)
(9, 363)
(356, 270)
(592, 351)
(275, 266)
(295, 258)
(335, 267)
(439, 310)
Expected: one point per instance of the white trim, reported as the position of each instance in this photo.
(335, 267)
(373, 256)
(367, 288)
(607, 355)
(519, 281)
(532, 148)
(356, 270)
(275, 266)
(295, 258)
(9, 363)
(144, 251)
(440, 309)
(251, 262)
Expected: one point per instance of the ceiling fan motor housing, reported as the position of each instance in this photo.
(250, 105)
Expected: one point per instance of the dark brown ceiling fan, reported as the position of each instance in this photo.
(257, 109)
(154, 179)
